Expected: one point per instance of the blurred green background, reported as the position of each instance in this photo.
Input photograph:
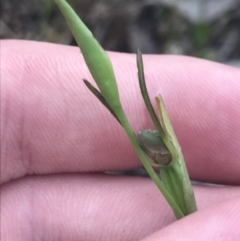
(206, 29)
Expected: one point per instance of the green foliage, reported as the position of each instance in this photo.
(175, 184)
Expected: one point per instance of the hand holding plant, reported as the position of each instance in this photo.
(47, 126)
(64, 198)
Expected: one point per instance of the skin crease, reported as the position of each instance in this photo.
(52, 125)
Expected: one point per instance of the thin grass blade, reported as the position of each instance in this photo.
(97, 93)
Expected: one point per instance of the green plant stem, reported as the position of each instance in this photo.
(101, 69)
(177, 211)
(174, 176)
(182, 173)
(172, 179)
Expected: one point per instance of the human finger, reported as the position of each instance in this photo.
(102, 207)
(52, 124)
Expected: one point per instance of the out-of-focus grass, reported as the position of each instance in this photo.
(124, 26)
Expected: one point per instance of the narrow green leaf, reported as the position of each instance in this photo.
(100, 98)
(145, 95)
(149, 106)
(181, 181)
(165, 121)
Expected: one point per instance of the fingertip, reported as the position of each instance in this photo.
(218, 222)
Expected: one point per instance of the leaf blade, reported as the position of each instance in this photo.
(98, 94)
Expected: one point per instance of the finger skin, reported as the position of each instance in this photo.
(105, 207)
(50, 123)
(216, 223)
